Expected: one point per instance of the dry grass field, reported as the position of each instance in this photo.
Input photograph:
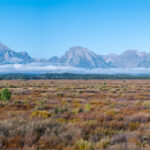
(76, 115)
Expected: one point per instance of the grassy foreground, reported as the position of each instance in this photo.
(76, 115)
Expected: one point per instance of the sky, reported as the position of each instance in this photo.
(46, 28)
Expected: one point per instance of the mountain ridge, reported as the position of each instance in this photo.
(8, 56)
(80, 57)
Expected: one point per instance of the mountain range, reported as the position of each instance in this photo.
(80, 57)
(8, 56)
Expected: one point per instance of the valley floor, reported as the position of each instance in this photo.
(76, 115)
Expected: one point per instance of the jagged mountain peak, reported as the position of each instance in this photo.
(76, 48)
(79, 51)
(129, 59)
(8, 56)
(81, 57)
(134, 52)
(130, 52)
(78, 56)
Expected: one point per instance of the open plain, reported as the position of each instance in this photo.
(76, 115)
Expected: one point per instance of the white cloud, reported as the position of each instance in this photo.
(41, 68)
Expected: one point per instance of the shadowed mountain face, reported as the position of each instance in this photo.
(7, 56)
(80, 57)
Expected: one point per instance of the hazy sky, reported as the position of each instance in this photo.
(45, 28)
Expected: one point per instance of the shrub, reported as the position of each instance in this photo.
(17, 102)
(133, 126)
(60, 110)
(61, 120)
(12, 86)
(41, 113)
(80, 91)
(33, 132)
(105, 83)
(84, 145)
(5, 94)
(104, 143)
(138, 117)
(60, 94)
(87, 107)
(77, 110)
(113, 90)
(118, 138)
(42, 102)
(146, 104)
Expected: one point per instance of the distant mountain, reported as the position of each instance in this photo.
(7, 56)
(54, 60)
(79, 57)
(82, 58)
(129, 59)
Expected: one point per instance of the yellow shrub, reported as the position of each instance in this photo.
(41, 113)
(133, 126)
(84, 145)
(146, 104)
(104, 143)
(61, 120)
(77, 110)
(74, 120)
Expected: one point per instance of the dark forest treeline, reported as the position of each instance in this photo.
(56, 76)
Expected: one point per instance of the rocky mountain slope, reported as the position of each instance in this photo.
(7, 56)
(129, 59)
(80, 57)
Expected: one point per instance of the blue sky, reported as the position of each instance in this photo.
(45, 28)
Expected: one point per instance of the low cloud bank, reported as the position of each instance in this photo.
(42, 68)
